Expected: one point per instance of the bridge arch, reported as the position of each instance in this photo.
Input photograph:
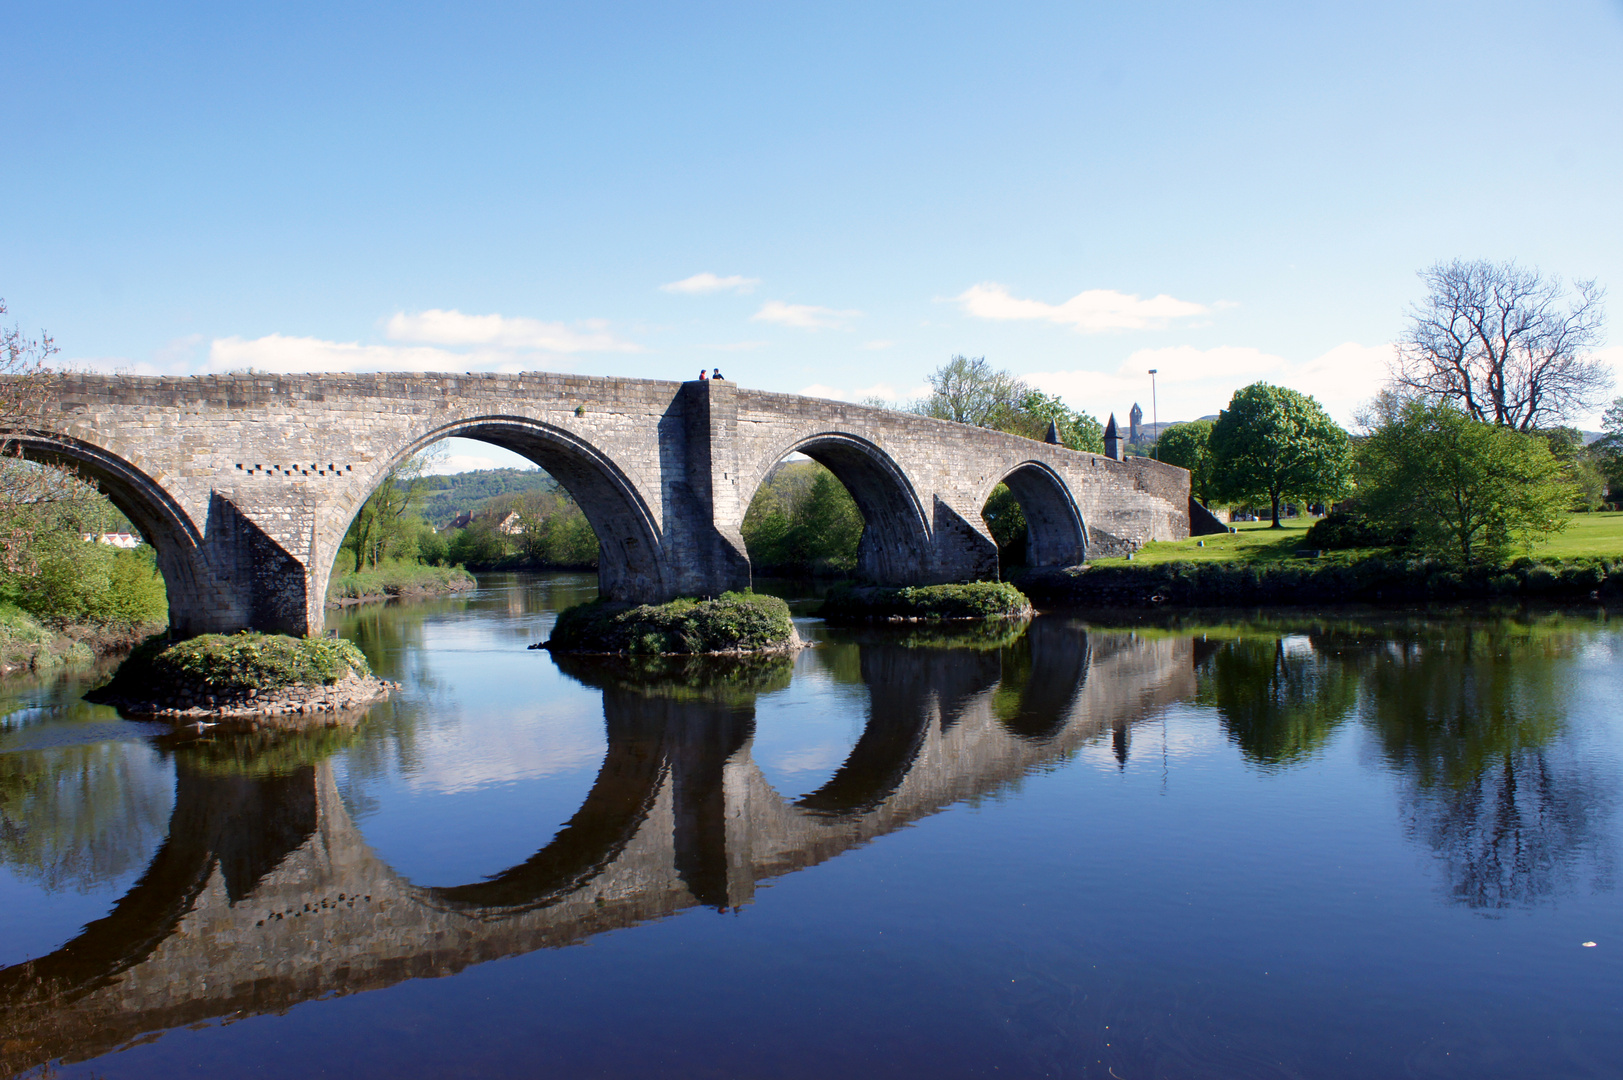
(1056, 534)
(896, 542)
(175, 538)
(629, 535)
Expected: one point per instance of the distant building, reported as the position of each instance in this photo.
(461, 521)
(1134, 418)
(511, 525)
(128, 541)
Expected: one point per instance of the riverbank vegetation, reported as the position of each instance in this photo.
(731, 623)
(398, 579)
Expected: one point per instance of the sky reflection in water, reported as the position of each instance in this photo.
(1266, 847)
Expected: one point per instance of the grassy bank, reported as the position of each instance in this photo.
(1374, 578)
(1587, 536)
(28, 643)
(731, 623)
(925, 603)
(398, 579)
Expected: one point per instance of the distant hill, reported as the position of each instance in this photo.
(443, 497)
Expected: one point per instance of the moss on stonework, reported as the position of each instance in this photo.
(733, 622)
(926, 603)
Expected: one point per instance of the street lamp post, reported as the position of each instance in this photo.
(1155, 416)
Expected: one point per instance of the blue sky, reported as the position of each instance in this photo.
(830, 199)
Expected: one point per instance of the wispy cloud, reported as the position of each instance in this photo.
(876, 346)
(803, 316)
(454, 328)
(278, 353)
(1089, 312)
(735, 346)
(706, 282)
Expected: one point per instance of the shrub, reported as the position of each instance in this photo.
(1342, 530)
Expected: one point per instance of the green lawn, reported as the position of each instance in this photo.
(1254, 541)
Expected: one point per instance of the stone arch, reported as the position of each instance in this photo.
(163, 522)
(1056, 534)
(629, 536)
(896, 541)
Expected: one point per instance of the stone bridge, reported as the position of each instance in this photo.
(266, 895)
(246, 484)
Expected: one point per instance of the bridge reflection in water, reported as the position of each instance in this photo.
(265, 893)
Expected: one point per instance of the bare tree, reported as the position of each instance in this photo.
(29, 491)
(1505, 344)
(970, 391)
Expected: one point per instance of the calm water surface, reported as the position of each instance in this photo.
(1263, 847)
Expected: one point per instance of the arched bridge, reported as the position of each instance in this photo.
(246, 484)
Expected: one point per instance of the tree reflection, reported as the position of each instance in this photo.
(1279, 697)
(77, 816)
(1472, 717)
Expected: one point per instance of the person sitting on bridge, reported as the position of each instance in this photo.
(702, 375)
(715, 374)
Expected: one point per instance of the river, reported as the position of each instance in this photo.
(1131, 846)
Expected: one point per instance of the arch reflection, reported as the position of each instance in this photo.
(263, 859)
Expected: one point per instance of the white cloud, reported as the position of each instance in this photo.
(277, 353)
(1191, 382)
(699, 284)
(875, 346)
(454, 328)
(821, 391)
(803, 316)
(451, 464)
(1088, 312)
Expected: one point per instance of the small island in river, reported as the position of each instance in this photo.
(731, 624)
(926, 603)
(246, 680)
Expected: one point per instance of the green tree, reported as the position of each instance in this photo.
(1608, 449)
(382, 528)
(1032, 413)
(1469, 489)
(803, 520)
(1189, 446)
(1007, 524)
(1272, 444)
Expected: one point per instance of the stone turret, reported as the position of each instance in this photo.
(1134, 418)
(1053, 434)
(1112, 440)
